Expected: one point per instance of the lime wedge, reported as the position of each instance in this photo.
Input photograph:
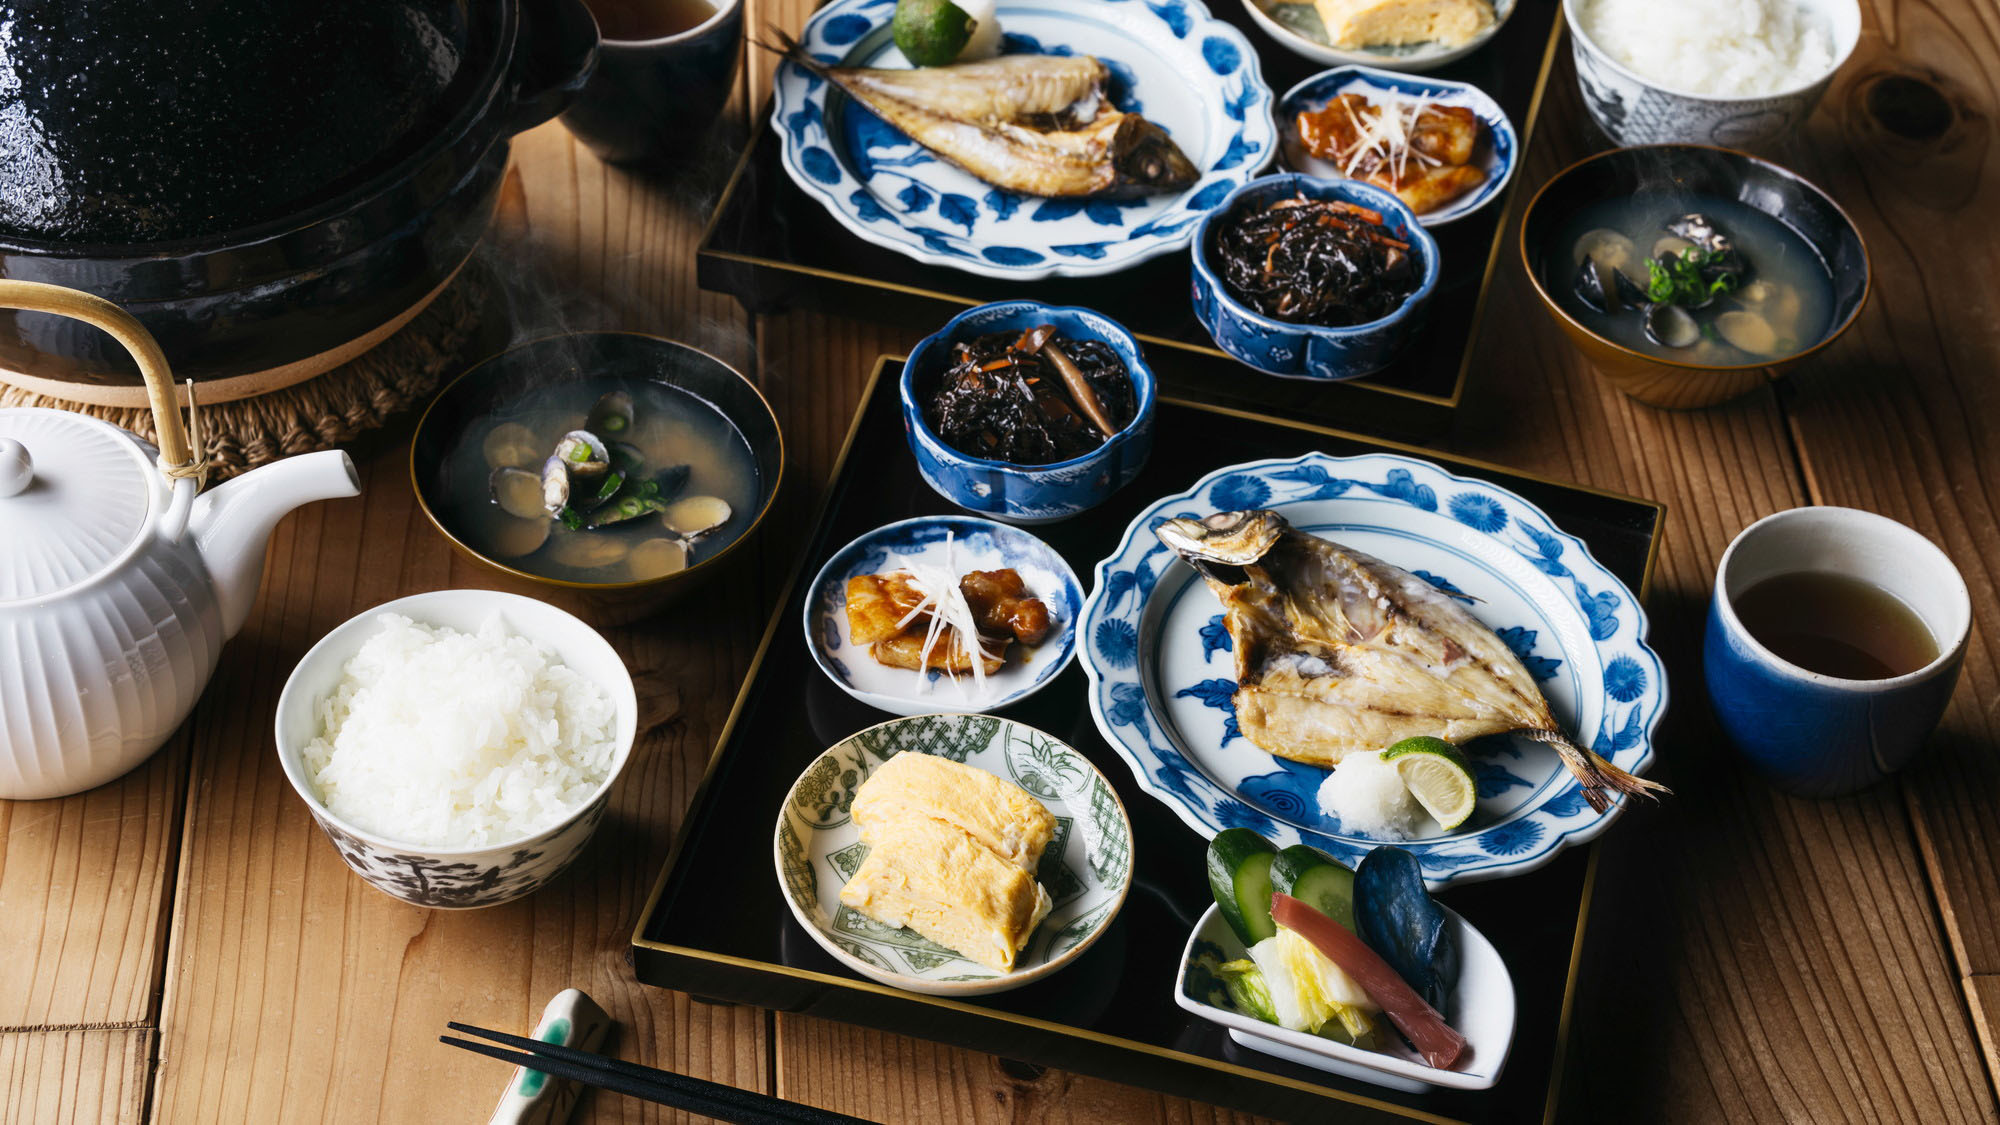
(930, 32)
(1438, 776)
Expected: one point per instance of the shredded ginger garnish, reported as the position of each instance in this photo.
(952, 620)
(1387, 134)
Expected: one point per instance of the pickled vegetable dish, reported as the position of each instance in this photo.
(1322, 262)
(601, 481)
(1034, 397)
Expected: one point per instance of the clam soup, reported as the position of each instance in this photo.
(601, 481)
(1694, 279)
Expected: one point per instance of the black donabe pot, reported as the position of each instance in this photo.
(311, 287)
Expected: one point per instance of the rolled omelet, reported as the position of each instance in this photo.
(999, 814)
(952, 855)
(935, 879)
(1353, 24)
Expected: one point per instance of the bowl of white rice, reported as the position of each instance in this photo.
(458, 747)
(1734, 73)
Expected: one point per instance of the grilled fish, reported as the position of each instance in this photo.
(1338, 652)
(1034, 124)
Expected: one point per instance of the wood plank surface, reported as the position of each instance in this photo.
(96, 1076)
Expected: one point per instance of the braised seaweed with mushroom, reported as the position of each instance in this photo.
(601, 482)
(1033, 397)
(1324, 262)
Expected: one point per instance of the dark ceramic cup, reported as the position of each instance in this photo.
(1819, 735)
(651, 102)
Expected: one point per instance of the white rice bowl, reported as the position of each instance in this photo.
(1718, 48)
(442, 738)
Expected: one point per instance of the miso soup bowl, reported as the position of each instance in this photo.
(1310, 351)
(634, 358)
(1699, 170)
(1026, 494)
(437, 876)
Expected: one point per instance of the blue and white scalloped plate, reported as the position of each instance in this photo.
(1496, 154)
(1161, 669)
(1187, 72)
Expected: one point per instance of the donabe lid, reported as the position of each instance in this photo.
(74, 495)
(134, 121)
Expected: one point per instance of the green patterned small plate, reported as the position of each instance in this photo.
(1087, 867)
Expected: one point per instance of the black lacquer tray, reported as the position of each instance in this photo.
(717, 924)
(774, 247)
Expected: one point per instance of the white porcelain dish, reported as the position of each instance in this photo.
(1635, 110)
(456, 878)
(1087, 868)
(1294, 32)
(976, 544)
(1482, 1010)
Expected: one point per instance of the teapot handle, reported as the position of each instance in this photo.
(177, 457)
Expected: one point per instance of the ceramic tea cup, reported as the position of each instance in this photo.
(1820, 735)
(651, 101)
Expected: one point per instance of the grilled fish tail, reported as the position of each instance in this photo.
(1596, 774)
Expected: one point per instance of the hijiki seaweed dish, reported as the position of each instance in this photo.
(1325, 262)
(1034, 397)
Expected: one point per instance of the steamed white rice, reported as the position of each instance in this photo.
(1730, 48)
(447, 739)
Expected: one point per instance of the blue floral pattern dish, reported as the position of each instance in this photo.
(1194, 76)
(975, 544)
(1026, 494)
(1161, 668)
(1496, 155)
(1312, 351)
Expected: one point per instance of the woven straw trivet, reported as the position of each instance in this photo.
(331, 409)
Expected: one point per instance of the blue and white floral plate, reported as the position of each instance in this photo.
(975, 544)
(1189, 73)
(1161, 669)
(1087, 867)
(1496, 153)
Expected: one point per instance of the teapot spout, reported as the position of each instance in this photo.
(232, 522)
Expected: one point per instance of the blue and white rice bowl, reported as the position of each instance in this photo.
(1027, 494)
(975, 544)
(1161, 666)
(1308, 351)
(1191, 74)
(1496, 154)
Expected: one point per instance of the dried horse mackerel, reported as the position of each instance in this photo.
(1338, 652)
(1316, 261)
(1035, 124)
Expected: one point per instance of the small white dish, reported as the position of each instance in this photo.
(1413, 58)
(1482, 1010)
(1498, 150)
(976, 544)
(1087, 868)
(456, 878)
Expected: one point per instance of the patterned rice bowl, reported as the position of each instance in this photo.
(1161, 668)
(1087, 867)
(1193, 75)
(440, 877)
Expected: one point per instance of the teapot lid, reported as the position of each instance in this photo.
(74, 495)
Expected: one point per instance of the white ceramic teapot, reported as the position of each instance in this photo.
(118, 583)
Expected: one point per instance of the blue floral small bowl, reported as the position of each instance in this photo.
(1306, 351)
(1026, 494)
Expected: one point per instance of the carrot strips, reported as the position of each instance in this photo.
(1435, 1040)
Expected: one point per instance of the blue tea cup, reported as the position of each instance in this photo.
(1819, 735)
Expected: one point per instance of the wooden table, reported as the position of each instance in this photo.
(184, 944)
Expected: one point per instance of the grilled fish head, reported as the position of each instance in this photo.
(1146, 160)
(1229, 538)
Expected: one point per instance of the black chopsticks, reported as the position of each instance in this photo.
(696, 1095)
